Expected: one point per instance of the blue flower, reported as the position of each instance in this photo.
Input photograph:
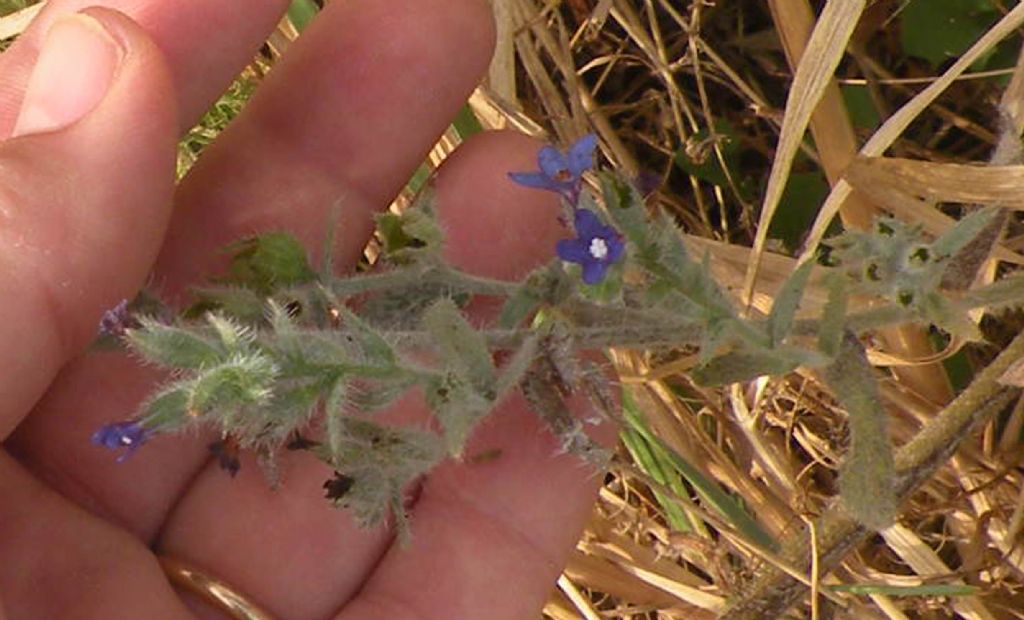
(115, 321)
(596, 246)
(561, 172)
(128, 434)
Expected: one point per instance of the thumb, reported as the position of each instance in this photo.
(85, 192)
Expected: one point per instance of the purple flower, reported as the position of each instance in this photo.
(596, 246)
(128, 434)
(561, 172)
(115, 321)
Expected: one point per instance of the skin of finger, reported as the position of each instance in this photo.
(206, 43)
(58, 561)
(341, 125)
(83, 212)
(492, 534)
(328, 557)
(253, 180)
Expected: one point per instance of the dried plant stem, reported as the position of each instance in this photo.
(773, 592)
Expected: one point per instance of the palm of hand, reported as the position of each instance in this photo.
(344, 119)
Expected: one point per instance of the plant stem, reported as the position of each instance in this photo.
(434, 274)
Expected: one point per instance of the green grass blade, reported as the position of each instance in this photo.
(726, 505)
(641, 453)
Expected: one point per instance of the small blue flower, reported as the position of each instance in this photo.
(128, 434)
(596, 246)
(561, 172)
(115, 321)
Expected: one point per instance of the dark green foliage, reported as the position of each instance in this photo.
(940, 30)
(801, 199)
(269, 262)
(413, 235)
(702, 161)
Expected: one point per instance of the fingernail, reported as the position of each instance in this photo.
(74, 71)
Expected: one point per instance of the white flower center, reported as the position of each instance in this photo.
(598, 248)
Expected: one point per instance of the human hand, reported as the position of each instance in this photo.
(86, 188)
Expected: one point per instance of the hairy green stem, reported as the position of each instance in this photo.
(441, 275)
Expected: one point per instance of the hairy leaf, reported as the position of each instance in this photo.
(458, 407)
(780, 321)
(172, 346)
(747, 365)
(267, 262)
(833, 316)
(956, 238)
(464, 349)
(866, 481)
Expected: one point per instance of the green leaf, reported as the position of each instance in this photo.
(939, 30)
(626, 208)
(833, 316)
(233, 336)
(372, 396)
(787, 300)
(463, 349)
(334, 410)
(866, 480)
(672, 254)
(375, 349)
(803, 196)
(268, 262)
(413, 234)
(242, 380)
(518, 307)
(458, 407)
(956, 238)
(173, 347)
(861, 106)
(513, 371)
(169, 409)
(241, 304)
(739, 366)
(944, 315)
(703, 162)
(380, 462)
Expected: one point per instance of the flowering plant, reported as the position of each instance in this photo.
(278, 356)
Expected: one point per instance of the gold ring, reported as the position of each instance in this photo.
(213, 591)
